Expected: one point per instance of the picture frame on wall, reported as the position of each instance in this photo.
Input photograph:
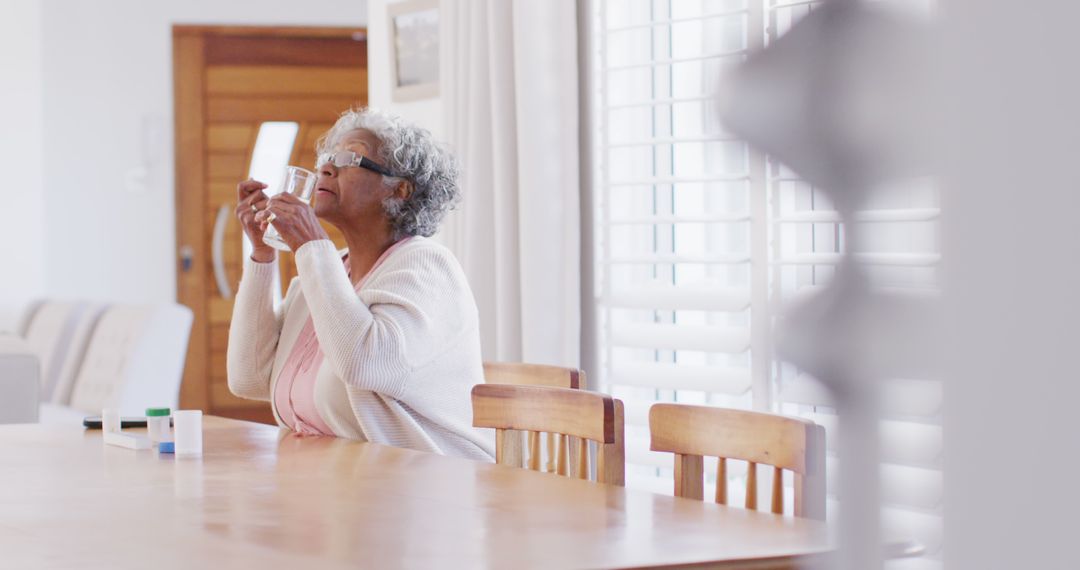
(414, 49)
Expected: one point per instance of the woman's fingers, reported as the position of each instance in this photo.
(273, 211)
(250, 200)
(287, 199)
(248, 187)
(246, 211)
(271, 208)
(280, 205)
(254, 201)
(250, 196)
(294, 220)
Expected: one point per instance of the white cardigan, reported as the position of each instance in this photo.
(400, 357)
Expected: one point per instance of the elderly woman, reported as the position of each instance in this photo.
(381, 344)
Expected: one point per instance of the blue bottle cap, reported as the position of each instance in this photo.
(167, 447)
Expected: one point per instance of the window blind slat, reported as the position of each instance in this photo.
(913, 397)
(793, 4)
(638, 453)
(703, 338)
(668, 297)
(655, 259)
(924, 528)
(665, 376)
(904, 443)
(674, 60)
(670, 21)
(898, 259)
(912, 486)
(864, 216)
(921, 563)
(901, 485)
(710, 219)
(636, 412)
(911, 443)
(667, 180)
(899, 398)
(670, 140)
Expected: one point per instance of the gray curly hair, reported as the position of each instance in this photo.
(412, 154)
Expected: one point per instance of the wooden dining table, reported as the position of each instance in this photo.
(262, 497)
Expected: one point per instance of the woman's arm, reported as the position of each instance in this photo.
(402, 319)
(254, 332)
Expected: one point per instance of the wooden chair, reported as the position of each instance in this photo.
(692, 432)
(522, 374)
(567, 413)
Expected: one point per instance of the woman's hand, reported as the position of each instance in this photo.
(250, 201)
(294, 220)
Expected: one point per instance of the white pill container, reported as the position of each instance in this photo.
(157, 424)
(110, 420)
(188, 432)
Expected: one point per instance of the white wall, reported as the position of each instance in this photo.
(21, 234)
(427, 113)
(92, 83)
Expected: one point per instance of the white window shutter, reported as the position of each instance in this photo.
(700, 240)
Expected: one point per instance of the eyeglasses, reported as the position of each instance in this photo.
(343, 158)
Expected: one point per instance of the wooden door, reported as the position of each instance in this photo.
(228, 81)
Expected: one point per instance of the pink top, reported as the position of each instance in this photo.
(294, 394)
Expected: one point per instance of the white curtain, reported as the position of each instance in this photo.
(510, 96)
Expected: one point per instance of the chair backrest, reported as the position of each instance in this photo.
(26, 315)
(587, 416)
(58, 332)
(81, 332)
(135, 359)
(794, 444)
(19, 381)
(522, 374)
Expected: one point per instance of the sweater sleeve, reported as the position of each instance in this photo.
(253, 332)
(398, 321)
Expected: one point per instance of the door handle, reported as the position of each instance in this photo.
(217, 246)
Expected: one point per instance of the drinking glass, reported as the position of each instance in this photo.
(299, 182)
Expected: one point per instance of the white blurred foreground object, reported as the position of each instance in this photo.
(188, 432)
(20, 373)
(1012, 242)
(990, 105)
(843, 98)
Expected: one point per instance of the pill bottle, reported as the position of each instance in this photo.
(188, 424)
(157, 424)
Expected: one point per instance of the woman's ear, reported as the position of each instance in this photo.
(404, 190)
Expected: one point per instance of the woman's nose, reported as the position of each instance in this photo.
(327, 170)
